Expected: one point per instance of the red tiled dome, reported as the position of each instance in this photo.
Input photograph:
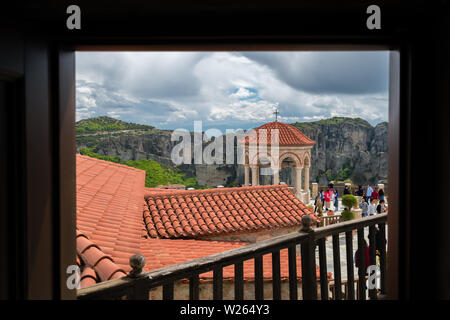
(288, 135)
(251, 208)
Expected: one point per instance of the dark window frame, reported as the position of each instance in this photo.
(67, 123)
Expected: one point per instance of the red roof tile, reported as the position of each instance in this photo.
(111, 223)
(288, 135)
(96, 266)
(109, 215)
(196, 213)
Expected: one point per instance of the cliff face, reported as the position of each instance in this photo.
(156, 146)
(345, 149)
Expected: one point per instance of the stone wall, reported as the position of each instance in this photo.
(181, 290)
(254, 236)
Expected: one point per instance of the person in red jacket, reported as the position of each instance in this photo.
(375, 195)
(327, 199)
(367, 256)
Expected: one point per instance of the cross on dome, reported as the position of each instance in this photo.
(276, 113)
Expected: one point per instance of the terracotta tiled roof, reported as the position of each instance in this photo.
(194, 213)
(110, 226)
(288, 135)
(96, 266)
(109, 214)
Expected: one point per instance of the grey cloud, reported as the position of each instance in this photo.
(93, 99)
(329, 72)
(143, 74)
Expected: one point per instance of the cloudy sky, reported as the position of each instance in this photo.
(171, 90)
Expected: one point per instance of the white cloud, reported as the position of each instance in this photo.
(224, 89)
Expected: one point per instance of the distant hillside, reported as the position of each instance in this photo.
(333, 121)
(107, 124)
(346, 149)
(92, 131)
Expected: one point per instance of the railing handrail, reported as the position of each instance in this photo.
(180, 271)
(349, 225)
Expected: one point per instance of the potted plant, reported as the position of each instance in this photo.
(348, 201)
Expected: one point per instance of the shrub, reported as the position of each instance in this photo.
(347, 215)
(349, 201)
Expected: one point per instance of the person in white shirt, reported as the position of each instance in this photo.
(372, 208)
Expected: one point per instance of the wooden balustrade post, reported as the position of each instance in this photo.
(308, 248)
(139, 290)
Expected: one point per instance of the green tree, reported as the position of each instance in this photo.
(349, 201)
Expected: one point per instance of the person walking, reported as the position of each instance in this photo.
(364, 207)
(380, 242)
(366, 249)
(327, 198)
(331, 191)
(368, 193)
(336, 201)
(381, 194)
(380, 207)
(360, 191)
(322, 198)
(372, 208)
(347, 190)
(319, 207)
(374, 196)
(316, 199)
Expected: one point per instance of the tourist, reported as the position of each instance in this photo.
(347, 190)
(379, 242)
(316, 199)
(364, 207)
(381, 194)
(332, 196)
(367, 256)
(368, 193)
(319, 207)
(372, 208)
(360, 191)
(381, 208)
(327, 198)
(322, 198)
(336, 201)
(374, 194)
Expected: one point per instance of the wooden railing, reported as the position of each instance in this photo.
(138, 283)
(328, 220)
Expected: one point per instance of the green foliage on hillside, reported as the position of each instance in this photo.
(106, 124)
(92, 154)
(155, 173)
(334, 120)
(346, 171)
(384, 123)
